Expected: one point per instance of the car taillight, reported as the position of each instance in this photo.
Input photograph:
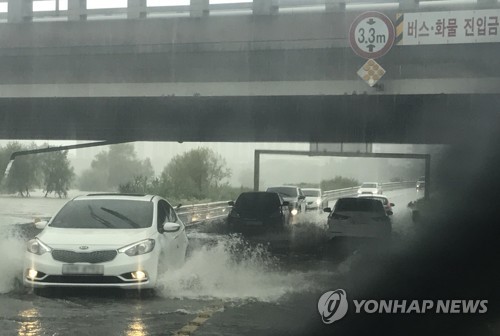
(339, 217)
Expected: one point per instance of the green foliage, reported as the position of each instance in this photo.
(226, 192)
(52, 171)
(194, 175)
(24, 174)
(305, 185)
(93, 180)
(4, 161)
(57, 173)
(141, 185)
(114, 167)
(338, 182)
(155, 186)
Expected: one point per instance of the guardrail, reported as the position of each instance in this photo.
(77, 10)
(333, 194)
(197, 213)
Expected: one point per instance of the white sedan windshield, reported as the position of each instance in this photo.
(104, 214)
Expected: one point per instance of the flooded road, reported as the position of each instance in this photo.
(229, 285)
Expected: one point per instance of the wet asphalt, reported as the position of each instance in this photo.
(258, 285)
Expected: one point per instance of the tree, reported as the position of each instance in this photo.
(24, 174)
(57, 173)
(4, 161)
(141, 185)
(115, 167)
(339, 182)
(194, 174)
(93, 180)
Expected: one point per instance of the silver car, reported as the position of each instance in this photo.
(293, 195)
(359, 218)
(313, 198)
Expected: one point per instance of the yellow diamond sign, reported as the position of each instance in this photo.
(371, 72)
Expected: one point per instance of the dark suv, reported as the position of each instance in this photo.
(258, 211)
(293, 195)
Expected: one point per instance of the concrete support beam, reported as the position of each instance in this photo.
(199, 8)
(136, 9)
(335, 5)
(407, 5)
(20, 11)
(265, 7)
(487, 4)
(77, 10)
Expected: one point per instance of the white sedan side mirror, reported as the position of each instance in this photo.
(41, 224)
(171, 227)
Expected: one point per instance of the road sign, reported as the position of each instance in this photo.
(371, 35)
(473, 26)
(371, 72)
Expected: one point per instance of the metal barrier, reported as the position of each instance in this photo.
(334, 194)
(197, 213)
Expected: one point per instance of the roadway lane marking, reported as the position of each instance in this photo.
(200, 319)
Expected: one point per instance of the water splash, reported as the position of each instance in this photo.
(12, 248)
(233, 269)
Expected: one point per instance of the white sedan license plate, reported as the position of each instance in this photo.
(82, 269)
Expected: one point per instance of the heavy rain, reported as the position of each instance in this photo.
(292, 167)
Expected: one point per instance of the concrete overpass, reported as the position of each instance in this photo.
(248, 72)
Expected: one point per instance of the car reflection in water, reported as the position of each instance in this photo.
(30, 324)
(137, 327)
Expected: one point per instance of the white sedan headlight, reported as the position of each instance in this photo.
(318, 201)
(142, 247)
(35, 246)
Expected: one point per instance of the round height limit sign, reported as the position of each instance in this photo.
(371, 35)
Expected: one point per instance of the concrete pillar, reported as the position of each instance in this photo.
(405, 5)
(487, 4)
(265, 7)
(20, 11)
(335, 5)
(77, 10)
(199, 8)
(137, 9)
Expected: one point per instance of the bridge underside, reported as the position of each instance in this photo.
(351, 118)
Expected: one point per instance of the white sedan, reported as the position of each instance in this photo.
(370, 188)
(106, 240)
(313, 198)
(358, 217)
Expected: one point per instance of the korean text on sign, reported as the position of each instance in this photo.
(479, 26)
